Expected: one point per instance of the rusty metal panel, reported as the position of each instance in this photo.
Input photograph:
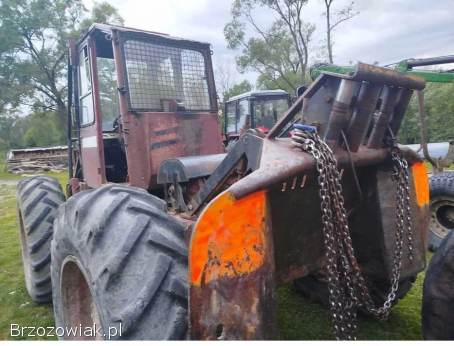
(231, 270)
(152, 137)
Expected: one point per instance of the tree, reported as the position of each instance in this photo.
(224, 80)
(237, 89)
(103, 12)
(439, 109)
(232, 90)
(340, 16)
(278, 53)
(33, 51)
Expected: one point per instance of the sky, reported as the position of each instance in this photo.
(384, 31)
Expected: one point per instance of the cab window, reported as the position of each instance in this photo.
(87, 115)
(267, 112)
(161, 77)
(108, 92)
(230, 117)
(243, 115)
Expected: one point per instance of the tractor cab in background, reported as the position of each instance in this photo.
(258, 110)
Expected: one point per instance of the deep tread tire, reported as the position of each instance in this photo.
(441, 191)
(134, 259)
(38, 199)
(438, 293)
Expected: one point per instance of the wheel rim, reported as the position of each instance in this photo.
(442, 216)
(77, 301)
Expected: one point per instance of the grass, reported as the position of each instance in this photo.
(15, 304)
(301, 319)
(298, 318)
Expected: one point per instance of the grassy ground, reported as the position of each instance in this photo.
(297, 317)
(15, 304)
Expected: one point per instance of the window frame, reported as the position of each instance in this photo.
(201, 48)
(266, 98)
(235, 107)
(90, 93)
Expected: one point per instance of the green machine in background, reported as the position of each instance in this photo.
(405, 66)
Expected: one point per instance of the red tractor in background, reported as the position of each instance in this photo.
(166, 236)
(259, 110)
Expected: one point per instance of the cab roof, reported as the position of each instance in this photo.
(258, 93)
(108, 28)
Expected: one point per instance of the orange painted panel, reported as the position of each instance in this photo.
(421, 181)
(229, 238)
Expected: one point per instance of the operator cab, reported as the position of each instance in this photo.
(258, 110)
(139, 98)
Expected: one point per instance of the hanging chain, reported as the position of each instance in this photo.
(347, 286)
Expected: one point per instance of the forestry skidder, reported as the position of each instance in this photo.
(171, 238)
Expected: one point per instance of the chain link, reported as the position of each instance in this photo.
(347, 287)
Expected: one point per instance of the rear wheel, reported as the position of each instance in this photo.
(441, 208)
(38, 199)
(438, 293)
(120, 261)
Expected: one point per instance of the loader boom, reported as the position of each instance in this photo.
(404, 66)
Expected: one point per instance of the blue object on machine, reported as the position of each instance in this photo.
(307, 128)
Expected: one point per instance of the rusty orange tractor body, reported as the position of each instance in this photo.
(169, 236)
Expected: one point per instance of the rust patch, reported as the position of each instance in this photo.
(228, 238)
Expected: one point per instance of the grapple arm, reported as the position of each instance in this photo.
(265, 228)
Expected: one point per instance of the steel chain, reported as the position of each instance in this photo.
(347, 286)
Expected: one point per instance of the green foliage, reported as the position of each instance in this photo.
(33, 58)
(43, 130)
(439, 105)
(35, 33)
(35, 130)
(238, 89)
(103, 13)
(279, 53)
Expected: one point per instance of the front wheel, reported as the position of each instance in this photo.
(119, 262)
(438, 293)
(38, 199)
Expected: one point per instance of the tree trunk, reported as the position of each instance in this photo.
(328, 32)
(62, 115)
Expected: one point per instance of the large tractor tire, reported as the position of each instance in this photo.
(438, 293)
(38, 199)
(441, 208)
(119, 261)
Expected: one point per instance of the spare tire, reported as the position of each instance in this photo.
(441, 208)
(38, 199)
(119, 261)
(438, 293)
